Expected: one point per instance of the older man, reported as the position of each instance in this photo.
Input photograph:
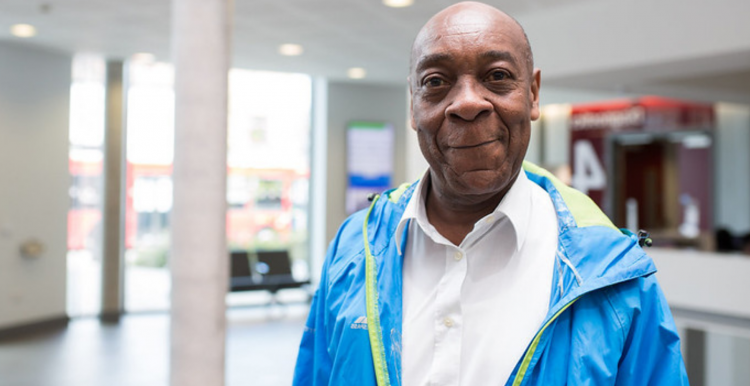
(488, 271)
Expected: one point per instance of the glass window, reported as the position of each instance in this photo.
(268, 172)
(85, 160)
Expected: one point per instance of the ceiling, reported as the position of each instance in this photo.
(339, 34)
(335, 34)
(707, 78)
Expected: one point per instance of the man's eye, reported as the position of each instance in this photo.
(434, 82)
(498, 76)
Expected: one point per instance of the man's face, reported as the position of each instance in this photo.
(473, 96)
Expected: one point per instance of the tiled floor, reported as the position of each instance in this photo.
(261, 350)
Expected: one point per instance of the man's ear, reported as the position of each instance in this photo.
(536, 83)
(411, 105)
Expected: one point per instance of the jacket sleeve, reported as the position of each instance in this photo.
(651, 352)
(313, 361)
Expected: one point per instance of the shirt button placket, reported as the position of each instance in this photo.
(445, 367)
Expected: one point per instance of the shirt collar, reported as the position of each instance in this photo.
(516, 206)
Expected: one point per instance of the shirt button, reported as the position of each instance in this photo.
(458, 256)
(448, 322)
(490, 219)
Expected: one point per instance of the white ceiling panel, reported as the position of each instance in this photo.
(339, 34)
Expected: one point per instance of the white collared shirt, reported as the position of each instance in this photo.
(470, 311)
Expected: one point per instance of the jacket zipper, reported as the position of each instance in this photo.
(373, 313)
(534, 343)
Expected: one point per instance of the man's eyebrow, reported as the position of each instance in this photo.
(499, 55)
(432, 59)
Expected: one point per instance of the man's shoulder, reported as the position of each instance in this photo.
(619, 306)
(348, 244)
(635, 294)
(347, 248)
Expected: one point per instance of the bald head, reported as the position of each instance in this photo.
(464, 17)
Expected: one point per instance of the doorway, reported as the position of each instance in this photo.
(663, 184)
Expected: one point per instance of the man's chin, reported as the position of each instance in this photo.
(482, 182)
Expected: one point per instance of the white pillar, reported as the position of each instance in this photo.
(114, 160)
(199, 261)
(318, 178)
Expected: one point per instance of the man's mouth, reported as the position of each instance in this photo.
(472, 146)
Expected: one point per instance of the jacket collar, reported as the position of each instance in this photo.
(589, 257)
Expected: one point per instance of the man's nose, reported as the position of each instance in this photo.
(468, 101)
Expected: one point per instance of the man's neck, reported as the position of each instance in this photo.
(454, 217)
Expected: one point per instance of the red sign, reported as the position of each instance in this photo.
(592, 124)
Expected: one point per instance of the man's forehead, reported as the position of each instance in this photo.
(454, 30)
(459, 20)
(457, 23)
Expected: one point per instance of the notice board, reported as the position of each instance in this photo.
(369, 161)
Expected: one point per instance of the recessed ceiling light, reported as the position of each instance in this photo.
(356, 73)
(290, 49)
(143, 57)
(398, 3)
(23, 30)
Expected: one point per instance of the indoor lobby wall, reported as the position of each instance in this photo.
(349, 102)
(34, 182)
(732, 168)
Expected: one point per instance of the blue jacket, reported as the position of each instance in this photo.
(608, 321)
